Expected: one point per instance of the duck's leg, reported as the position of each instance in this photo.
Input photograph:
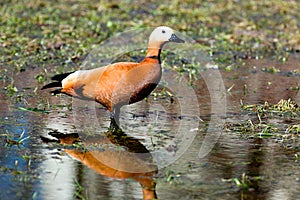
(114, 120)
(115, 114)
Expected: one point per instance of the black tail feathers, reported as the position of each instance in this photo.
(52, 85)
(57, 78)
(60, 77)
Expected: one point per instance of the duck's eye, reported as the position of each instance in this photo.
(163, 31)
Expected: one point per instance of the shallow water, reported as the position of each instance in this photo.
(159, 136)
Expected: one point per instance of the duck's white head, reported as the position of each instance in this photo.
(162, 35)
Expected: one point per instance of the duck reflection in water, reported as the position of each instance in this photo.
(114, 155)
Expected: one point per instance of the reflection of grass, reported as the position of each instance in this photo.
(15, 141)
(254, 129)
(245, 182)
(79, 191)
(172, 178)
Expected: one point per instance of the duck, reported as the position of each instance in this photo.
(121, 83)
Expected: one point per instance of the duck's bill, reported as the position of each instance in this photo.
(174, 38)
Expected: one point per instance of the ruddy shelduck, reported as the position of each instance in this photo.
(119, 83)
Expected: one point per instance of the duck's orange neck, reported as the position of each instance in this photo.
(153, 53)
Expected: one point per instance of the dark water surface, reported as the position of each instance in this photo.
(158, 152)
